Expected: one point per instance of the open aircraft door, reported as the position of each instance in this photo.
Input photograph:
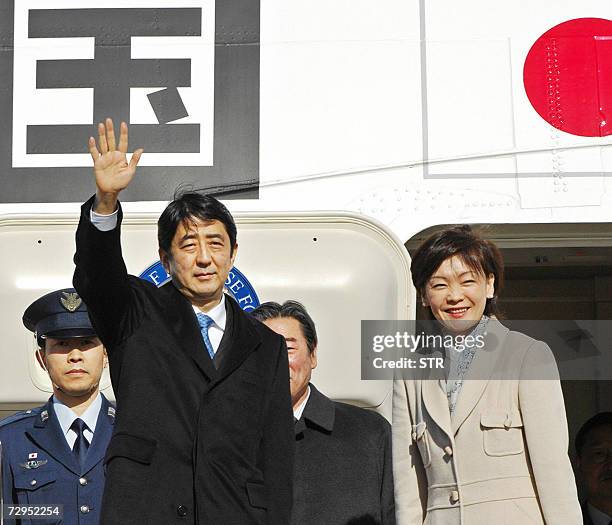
(344, 268)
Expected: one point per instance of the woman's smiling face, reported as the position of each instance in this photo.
(457, 294)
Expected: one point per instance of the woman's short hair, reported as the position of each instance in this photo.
(478, 254)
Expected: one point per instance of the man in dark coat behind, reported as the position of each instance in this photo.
(204, 432)
(343, 473)
(594, 468)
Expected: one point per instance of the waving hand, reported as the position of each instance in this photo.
(112, 171)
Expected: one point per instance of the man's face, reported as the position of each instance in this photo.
(200, 259)
(595, 466)
(75, 365)
(301, 361)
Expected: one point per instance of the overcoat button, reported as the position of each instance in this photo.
(84, 509)
(83, 481)
(181, 510)
(33, 482)
(454, 497)
(448, 450)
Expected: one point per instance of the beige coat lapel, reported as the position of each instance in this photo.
(479, 374)
(433, 390)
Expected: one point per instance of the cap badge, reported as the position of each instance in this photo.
(70, 301)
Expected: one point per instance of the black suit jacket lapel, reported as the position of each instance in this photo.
(48, 435)
(238, 342)
(183, 322)
(585, 514)
(319, 413)
(228, 334)
(101, 437)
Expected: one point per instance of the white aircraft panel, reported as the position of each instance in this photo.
(469, 101)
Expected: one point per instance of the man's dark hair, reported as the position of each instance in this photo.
(478, 254)
(189, 205)
(598, 420)
(293, 309)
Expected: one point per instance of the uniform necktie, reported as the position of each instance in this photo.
(205, 322)
(79, 449)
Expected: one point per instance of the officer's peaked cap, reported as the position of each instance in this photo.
(60, 314)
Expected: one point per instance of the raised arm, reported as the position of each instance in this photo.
(100, 276)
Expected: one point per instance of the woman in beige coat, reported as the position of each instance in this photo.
(485, 442)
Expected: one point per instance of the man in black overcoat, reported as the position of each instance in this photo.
(594, 468)
(343, 473)
(204, 432)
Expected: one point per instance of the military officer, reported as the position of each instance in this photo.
(53, 454)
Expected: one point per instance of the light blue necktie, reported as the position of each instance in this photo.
(205, 322)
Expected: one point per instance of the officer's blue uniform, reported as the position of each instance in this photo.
(38, 466)
(40, 469)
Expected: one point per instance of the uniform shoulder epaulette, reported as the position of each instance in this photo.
(18, 416)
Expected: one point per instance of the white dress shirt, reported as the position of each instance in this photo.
(219, 317)
(66, 417)
(299, 410)
(104, 223)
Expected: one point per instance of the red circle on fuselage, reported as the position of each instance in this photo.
(568, 76)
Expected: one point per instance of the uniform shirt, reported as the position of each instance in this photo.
(66, 417)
